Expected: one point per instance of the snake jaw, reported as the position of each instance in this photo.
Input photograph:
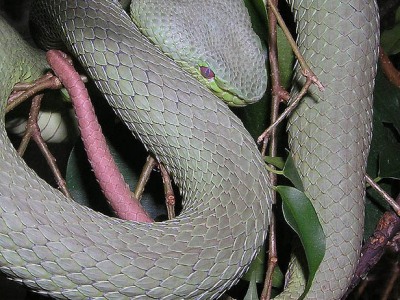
(228, 96)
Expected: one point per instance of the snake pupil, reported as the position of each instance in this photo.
(206, 72)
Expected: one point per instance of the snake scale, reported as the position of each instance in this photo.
(59, 248)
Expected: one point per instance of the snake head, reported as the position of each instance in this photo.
(213, 42)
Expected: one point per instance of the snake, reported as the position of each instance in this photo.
(59, 248)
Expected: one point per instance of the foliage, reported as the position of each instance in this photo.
(390, 39)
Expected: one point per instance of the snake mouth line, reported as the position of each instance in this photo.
(216, 85)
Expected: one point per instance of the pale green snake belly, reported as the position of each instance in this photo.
(56, 246)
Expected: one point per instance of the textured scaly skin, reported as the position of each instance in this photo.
(330, 132)
(55, 245)
(65, 250)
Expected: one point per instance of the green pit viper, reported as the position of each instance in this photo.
(62, 249)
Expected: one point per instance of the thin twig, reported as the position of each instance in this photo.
(272, 261)
(30, 124)
(372, 251)
(276, 99)
(293, 104)
(168, 191)
(144, 176)
(311, 78)
(48, 81)
(306, 71)
(33, 131)
(151, 162)
(386, 196)
(23, 92)
(270, 132)
(360, 290)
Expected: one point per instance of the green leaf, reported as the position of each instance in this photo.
(257, 269)
(288, 168)
(286, 59)
(252, 293)
(258, 18)
(385, 146)
(291, 173)
(397, 17)
(301, 216)
(278, 162)
(390, 39)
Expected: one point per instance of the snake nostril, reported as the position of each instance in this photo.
(206, 72)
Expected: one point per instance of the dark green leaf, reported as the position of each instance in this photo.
(258, 17)
(290, 172)
(386, 102)
(301, 216)
(278, 162)
(252, 293)
(385, 147)
(390, 39)
(285, 59)
(257, 269)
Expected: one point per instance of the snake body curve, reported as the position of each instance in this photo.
(77, 253)
(59, 248)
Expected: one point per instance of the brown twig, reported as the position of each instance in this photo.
(386, 229)
(361, 289)
(151, 162)
(24, 91)
(272, 261)
(168, 191)
(270, 132)
(306, 71)
(144, 176)
(276, 100)
(33, 131)
(293, 104)
(311, 78)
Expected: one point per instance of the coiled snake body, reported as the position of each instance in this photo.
(54, 245)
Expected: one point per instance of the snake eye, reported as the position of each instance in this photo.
(206, 72)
